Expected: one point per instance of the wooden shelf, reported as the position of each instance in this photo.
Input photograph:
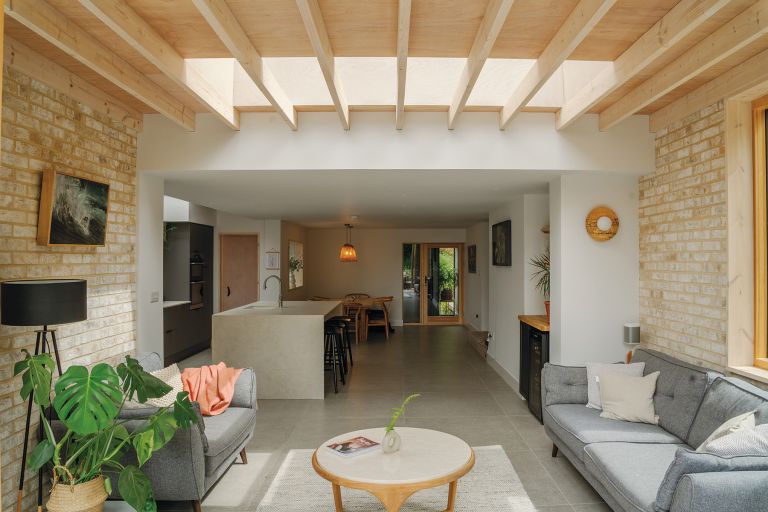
(539, 322)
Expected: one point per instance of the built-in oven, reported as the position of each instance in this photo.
(196, 281)
(196, 295)
(196, 271)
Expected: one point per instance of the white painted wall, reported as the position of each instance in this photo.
(531, 142)
(175, 209)
(202, 215)
(149, 264)
(378, 270)
(595, 284)
(511, 291)
(269, 240)
(476, 285)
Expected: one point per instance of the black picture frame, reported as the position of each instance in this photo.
(472, 259)
(501, 246)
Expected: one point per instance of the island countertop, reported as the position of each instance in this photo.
(324, 308)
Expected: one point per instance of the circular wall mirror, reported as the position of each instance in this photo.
(602, 223)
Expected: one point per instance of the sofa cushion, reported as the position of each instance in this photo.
(150, 361)
(679, 389)
(725, 399)
(686, 462)
(577, 426)
(563, 384)
(630, 472)
(225, 432)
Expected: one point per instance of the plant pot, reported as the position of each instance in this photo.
(86, 497)
(446, 295)
(546, 306)
(391, 442)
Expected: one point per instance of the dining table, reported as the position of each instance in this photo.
(365, 304)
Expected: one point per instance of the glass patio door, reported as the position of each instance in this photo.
(432, 283)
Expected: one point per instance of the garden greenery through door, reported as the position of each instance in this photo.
(432, 283)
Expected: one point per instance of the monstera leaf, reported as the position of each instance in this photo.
(35, 374)
(139, 383)
(136, 489)
(87, 402)
(183, 411)
(42, 453)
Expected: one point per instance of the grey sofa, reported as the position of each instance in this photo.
(194, 460)
(629, 464)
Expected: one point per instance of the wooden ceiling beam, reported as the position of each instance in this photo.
(490, 27)
(403, 34)
(741, 31)
(681, 21)
(57, 29)
(134, 30)
(223, 21)
(574, 30)
(744, 82)
(321, 44)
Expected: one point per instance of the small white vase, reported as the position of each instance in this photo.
(391, 442)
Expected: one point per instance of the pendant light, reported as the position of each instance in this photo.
(348, 254)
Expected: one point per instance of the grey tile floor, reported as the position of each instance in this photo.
(461, 395)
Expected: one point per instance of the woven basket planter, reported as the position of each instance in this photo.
(87, 497)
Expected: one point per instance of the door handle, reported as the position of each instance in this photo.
(229, 292)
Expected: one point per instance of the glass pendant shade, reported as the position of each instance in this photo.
(348, 254)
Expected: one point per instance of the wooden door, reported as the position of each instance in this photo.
(239, 280)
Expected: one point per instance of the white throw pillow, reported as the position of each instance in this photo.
(629, 398)
(596, 370)
(738, 423)
(745, 442)
(171, 375)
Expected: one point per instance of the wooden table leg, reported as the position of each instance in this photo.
(393, 498)
(451, 496)
(337, 498)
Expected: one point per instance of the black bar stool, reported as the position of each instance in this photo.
(345, 322)
(334, 353)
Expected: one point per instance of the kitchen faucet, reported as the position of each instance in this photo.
(280, 290)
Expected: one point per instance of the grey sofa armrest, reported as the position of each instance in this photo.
(745, 491)
(563, 385)
(245, 390)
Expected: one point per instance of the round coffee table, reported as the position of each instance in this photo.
(427, 458)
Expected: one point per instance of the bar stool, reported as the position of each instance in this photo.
(344, 322)
(334, 353)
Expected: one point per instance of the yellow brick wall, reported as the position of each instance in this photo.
(43, 128)
(683, 241)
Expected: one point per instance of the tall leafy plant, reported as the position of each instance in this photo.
(88, 403)
(541, 273)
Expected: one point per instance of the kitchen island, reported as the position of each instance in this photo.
(284, 346)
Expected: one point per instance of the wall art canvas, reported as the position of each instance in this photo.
(472, 259)
(501, 237)
(73, 210)
(295, 264)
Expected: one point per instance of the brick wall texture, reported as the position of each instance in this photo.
(683, 241)
(43, 128)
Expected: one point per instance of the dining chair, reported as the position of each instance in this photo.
(354, 310)
(378, 315)
(318, 297)
(355, 296)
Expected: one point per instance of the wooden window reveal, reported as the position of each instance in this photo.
(760, 118)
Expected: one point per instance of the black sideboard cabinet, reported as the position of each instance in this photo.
(534, 353)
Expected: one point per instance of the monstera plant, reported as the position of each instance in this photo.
(92, 438)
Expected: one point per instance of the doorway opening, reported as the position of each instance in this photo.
(432, 283)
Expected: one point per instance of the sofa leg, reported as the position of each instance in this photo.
(196, 507)
(554, 450)
(243, 456)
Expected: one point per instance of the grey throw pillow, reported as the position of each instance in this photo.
(688, 462)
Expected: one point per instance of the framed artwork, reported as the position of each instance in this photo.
(273, 260)
(295, 264)
(501, 241)
(472, 259)
(73, 210)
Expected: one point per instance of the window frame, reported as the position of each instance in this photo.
(759, 113)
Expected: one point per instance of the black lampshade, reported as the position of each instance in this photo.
(43, 301)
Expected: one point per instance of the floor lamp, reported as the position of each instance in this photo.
(41, 302)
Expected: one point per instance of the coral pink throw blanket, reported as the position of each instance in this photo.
(211, 386)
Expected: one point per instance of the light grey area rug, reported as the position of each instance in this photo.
(492, 485)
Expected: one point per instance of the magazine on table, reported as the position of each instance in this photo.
(353, 447)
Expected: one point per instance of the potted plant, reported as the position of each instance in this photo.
(541, 276)
(294, 265)
(91, 437)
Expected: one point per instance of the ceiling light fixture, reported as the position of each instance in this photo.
(348, 254)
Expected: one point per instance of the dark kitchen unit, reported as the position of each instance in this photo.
(187, 289)
(534, 352)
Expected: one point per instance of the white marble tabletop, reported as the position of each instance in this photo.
(424, 455)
